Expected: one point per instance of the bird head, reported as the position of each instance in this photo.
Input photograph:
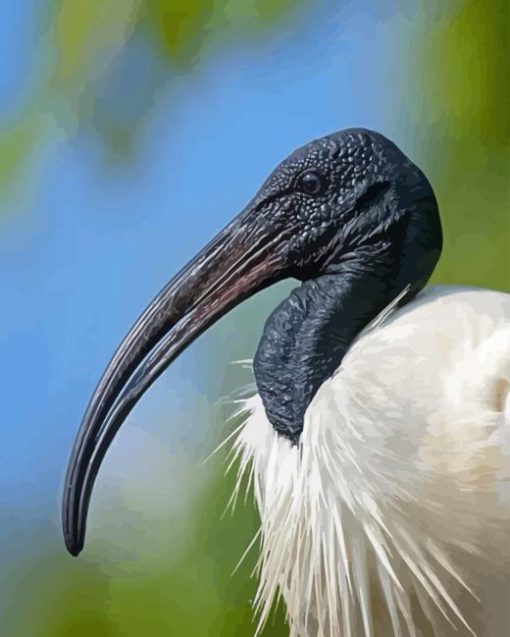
(347, 195)
(339, 194)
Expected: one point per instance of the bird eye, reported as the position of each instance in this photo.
(311, 183)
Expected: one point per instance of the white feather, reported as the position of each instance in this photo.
(391, 516)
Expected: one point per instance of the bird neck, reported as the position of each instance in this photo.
(307, 336)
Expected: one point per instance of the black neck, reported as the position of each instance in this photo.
(307, 336)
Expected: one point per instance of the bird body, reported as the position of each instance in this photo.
(391, 515)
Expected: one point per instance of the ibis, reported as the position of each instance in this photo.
(378, 443)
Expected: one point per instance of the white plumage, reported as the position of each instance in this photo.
(391, 516)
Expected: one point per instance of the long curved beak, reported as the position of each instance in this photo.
(240, 261)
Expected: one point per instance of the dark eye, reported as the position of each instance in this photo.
(311, 182)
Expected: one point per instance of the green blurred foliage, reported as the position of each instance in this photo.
(193, 593)
(459, 89)
(16, 143)
(86, 43)
(84, 32)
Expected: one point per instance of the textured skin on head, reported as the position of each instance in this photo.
(372, 230)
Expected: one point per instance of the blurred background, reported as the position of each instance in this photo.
(131, 131)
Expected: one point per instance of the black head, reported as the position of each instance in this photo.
(345, 191)
(349, 198)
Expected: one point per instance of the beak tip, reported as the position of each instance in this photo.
(74, 545)
(74, 534)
